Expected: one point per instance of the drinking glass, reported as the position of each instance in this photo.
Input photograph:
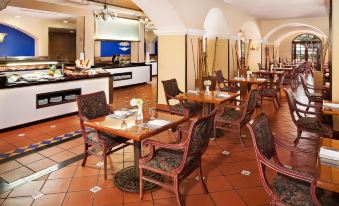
(152, 113)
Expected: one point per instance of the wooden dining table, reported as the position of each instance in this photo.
(247, 83)
(127, 179)
(208, 99)
(271, 74)
(328, 174)
(330, 111)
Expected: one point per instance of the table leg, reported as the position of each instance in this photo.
(206, 107)
(127, 179)
(137, 155)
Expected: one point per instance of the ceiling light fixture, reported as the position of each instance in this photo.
(2, 37)
(104, 13)
(240, 33)
(17, 17)
(65, 21)
(3, 4)
(146, 21)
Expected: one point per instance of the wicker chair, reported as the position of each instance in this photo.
(289, 186)
(184, 108)
(177, 161)
(303, 122)
(223, 83)
(233, 119)
(92, 106)
(271, 90)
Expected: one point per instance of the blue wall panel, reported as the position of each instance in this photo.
(16, 43)
(109, 48)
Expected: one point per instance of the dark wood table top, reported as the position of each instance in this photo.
(211, 98)
(327, 175)
(134, 130)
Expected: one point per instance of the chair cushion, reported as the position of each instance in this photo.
(167, 159)
(109, 139)
(191, 106)
(292, 191)
(296, 192)
(267, 92)
(312, 124)
(229, 89)
(231, 115)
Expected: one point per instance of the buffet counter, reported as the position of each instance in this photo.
(128, 74)
(23, 103)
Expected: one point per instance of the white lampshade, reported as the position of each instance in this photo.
(2, 37)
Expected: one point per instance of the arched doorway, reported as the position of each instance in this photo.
(307, 47)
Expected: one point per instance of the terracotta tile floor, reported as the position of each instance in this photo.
(70, 185)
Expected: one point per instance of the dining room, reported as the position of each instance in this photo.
(157, 103)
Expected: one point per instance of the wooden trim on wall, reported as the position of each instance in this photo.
(228, 59)
(330, 47)
(186, 63)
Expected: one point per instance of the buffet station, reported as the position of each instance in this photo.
(38, 89)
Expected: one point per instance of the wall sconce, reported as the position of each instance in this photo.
(254, 48)
(240, 33)
(2, 37)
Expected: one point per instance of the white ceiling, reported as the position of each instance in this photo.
(281, 9)
(23, 12)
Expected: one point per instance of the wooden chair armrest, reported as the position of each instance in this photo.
(307, 105)
(154, 143)
(308, 112)
(294, 149)
(291, 173)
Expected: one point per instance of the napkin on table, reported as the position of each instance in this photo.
(261, 79)
(192, 92)
(222, 95)
(329, 153)
(331, 105)
(158, 122)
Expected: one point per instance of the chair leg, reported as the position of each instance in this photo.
(278, 101)
(104, 157)
(214, 131)
(140, 183)
(296, 141)
(242, 142)
(84, 160)
(178, 197)
(274, 103)
(201, 180)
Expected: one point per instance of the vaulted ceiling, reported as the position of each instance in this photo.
(282, 9)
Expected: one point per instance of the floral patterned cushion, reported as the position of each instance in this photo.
(292, 191)
(295, 192)
(267, 92)
(230, 89)
(191, 106)
(231, 115)
(109, 139)
(310, 123)
(93, 105)
(167, 159)
(171, 87)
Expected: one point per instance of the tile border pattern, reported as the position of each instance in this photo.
(40, 145)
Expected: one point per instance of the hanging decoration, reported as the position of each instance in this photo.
(104, 13)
